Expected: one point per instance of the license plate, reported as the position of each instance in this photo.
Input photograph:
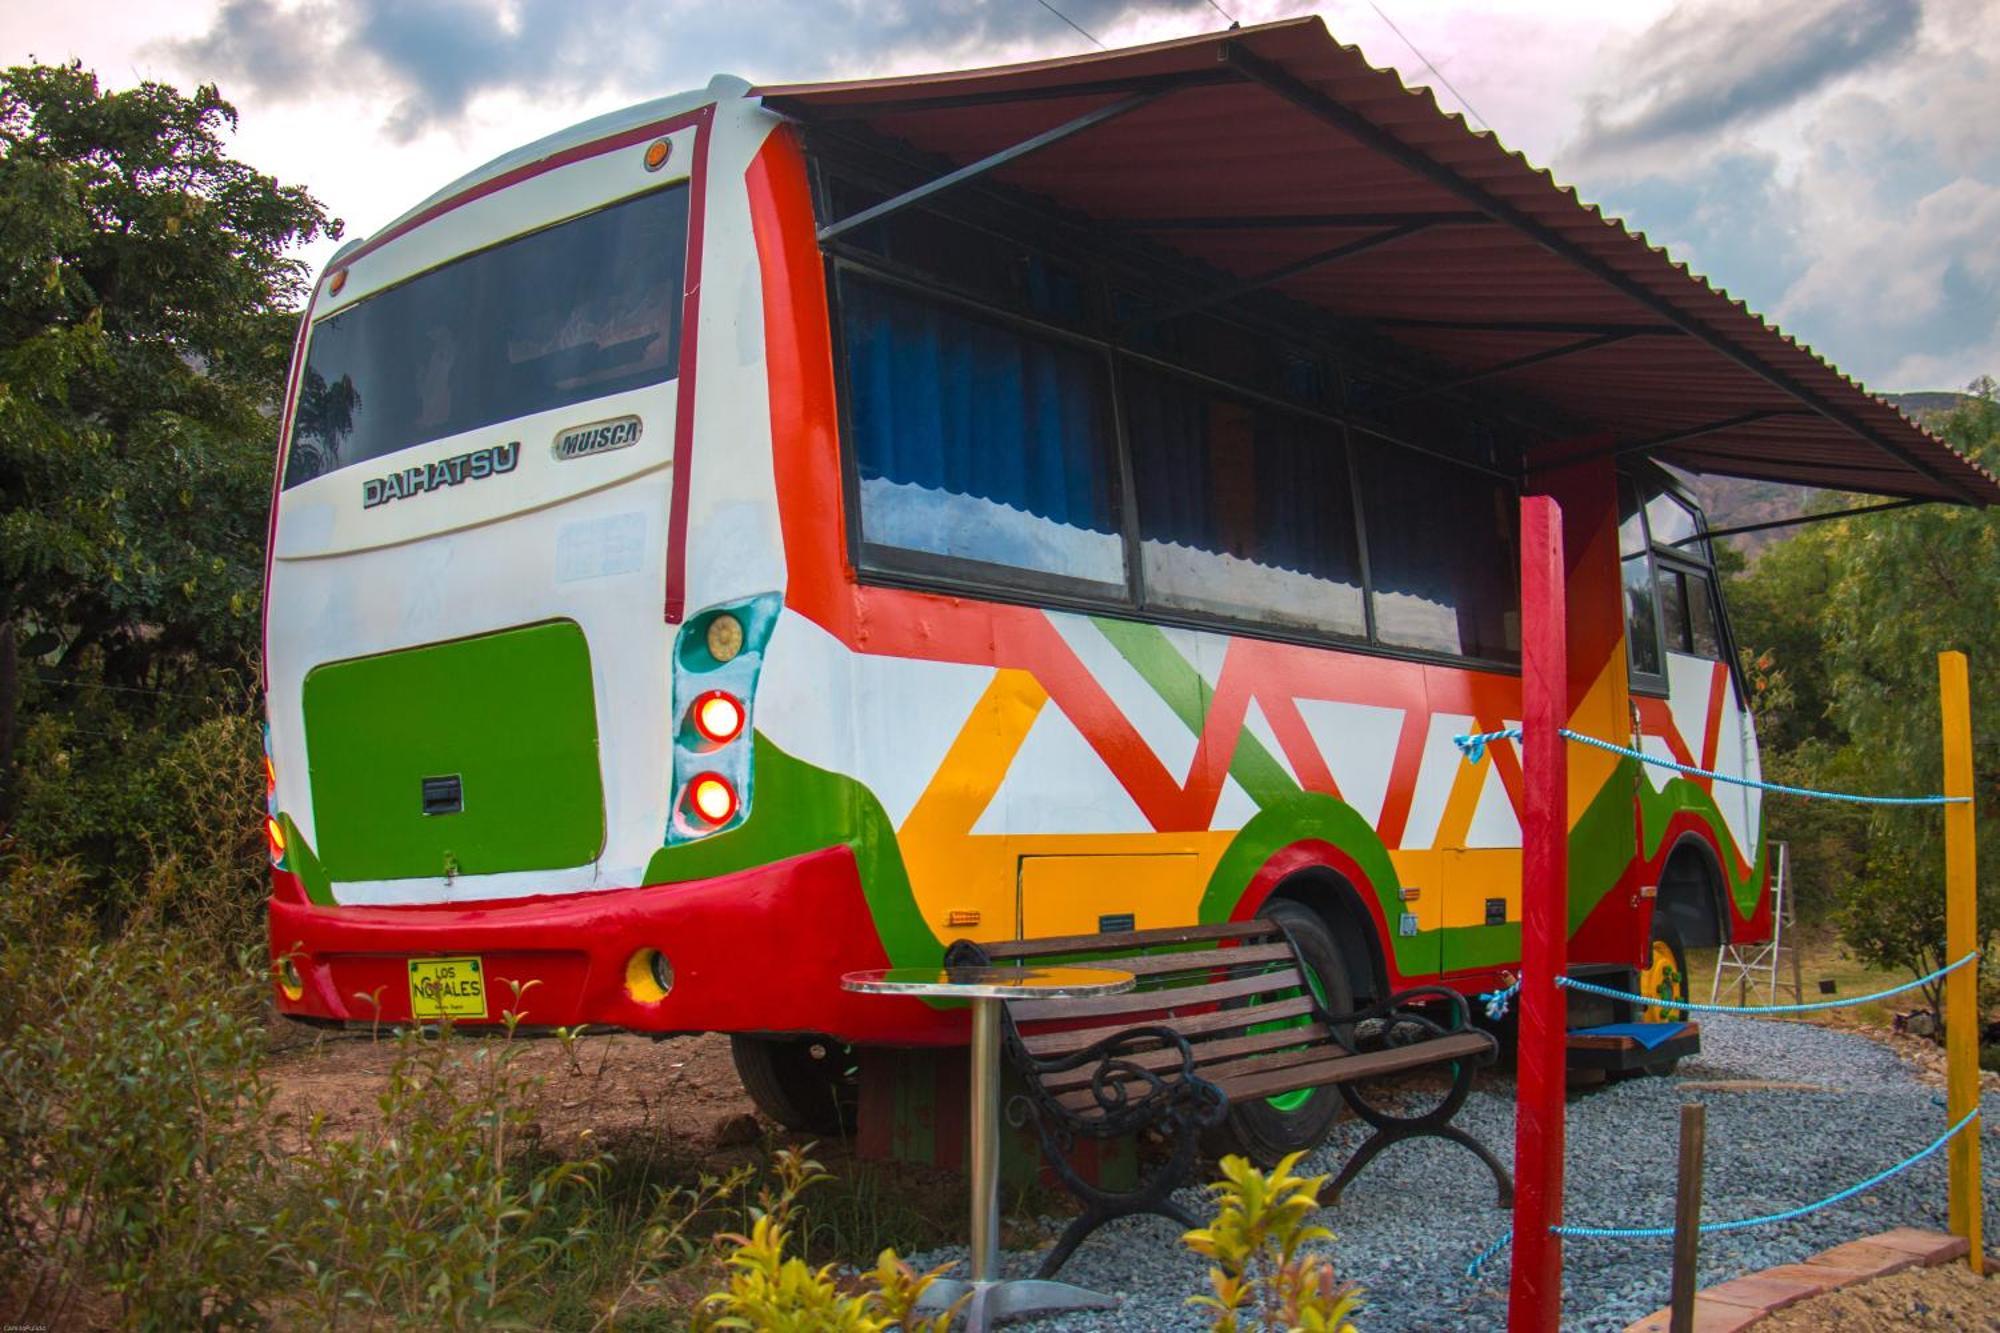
(447, 988)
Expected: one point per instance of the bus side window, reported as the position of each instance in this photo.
(1642, 632)
(1673, 610)
(979, 442)
(1442, 548)
(1704, 624)
(1241, 508)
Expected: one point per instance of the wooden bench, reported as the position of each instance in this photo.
(1221, 1014)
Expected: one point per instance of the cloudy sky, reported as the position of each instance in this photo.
(1835, 163)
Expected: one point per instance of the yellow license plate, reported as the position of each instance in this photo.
(447, 988)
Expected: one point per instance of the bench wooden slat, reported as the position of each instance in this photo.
(1255, 929)
(1205, 1052)
(1047, 1044)
(1202, 960)
(1339, 1067)
(1164, 1001)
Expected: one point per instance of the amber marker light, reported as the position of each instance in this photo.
(712, 798)
(338, 281)
(724, 637)
(718, 716)
(275, 831)
(657, 153)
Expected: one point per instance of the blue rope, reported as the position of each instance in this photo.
(1498, 1000)
(1743, 1223)
(1739, 1224)
(1591, 988)
(1472, 1269)
(1474, 748)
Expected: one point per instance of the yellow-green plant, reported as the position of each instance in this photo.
(773, 1292)
(1262, 1273)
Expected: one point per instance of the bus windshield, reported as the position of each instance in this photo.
(580, 310)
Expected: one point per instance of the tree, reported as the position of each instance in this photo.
(147, 300)
(1851, 615)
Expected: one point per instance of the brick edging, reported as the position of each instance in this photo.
(1741, 1302)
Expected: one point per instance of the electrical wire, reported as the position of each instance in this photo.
(1484, 123)
(1072, 23)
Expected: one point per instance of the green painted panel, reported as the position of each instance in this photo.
(512, 715)
(800, 809)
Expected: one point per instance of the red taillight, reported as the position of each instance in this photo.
(712, 798)
(718, 716)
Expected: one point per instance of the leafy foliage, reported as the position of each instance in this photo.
(133, 1134)
(773, 1292)
(441, 1215)
(1842, 625)
(1262, 1269)
(147, 291)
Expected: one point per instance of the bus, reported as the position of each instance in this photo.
(671, 608)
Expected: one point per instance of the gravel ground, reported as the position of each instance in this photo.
(1409, 1225)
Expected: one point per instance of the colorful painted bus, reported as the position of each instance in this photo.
(673, 605)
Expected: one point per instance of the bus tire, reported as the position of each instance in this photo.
(1266, 1129)
(1666, 978)
(805, 1083)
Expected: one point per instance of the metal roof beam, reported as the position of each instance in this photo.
(1307, 221)
(1257, 282)
(1521, 326)
(1351, 122)
(1154, 83)
(1518, 363)
(1800, 520)
(991, 162)
(1632, 448)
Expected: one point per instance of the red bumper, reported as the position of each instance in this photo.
(761, 950)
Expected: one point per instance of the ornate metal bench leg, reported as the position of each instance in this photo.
(1392, 1133)
(1363, 1155)
(1501, 1176)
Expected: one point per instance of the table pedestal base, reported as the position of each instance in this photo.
(994, 1301)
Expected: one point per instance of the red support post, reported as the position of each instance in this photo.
(1534, 1298)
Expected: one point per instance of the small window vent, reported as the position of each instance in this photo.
(444, 796)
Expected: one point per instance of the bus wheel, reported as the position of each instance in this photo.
(807, 1083)
(1266, 1130)
(1665, 977)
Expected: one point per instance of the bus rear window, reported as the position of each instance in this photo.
(583, 309)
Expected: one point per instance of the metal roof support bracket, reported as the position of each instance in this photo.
(1631, 448)
(1316, 103)
(1800, 520)
(1523, 362)
(972, 170)
(1259, 281)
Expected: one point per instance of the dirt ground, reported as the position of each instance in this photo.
(683, 1086)
(1947, 1297)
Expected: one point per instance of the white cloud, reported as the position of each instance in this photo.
(1833, 162)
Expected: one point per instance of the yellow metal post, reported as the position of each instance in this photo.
(1961, 990)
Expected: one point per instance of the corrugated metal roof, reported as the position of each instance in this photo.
(1274, 144)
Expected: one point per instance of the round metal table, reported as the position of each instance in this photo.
(987, 988)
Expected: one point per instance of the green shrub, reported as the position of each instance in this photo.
(773, 1292)
(134, 1118)
(1262, 1269)
(443, 1214)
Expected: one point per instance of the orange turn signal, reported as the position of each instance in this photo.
(275, 831)
(657, 153)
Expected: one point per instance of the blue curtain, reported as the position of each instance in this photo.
(943, 400)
